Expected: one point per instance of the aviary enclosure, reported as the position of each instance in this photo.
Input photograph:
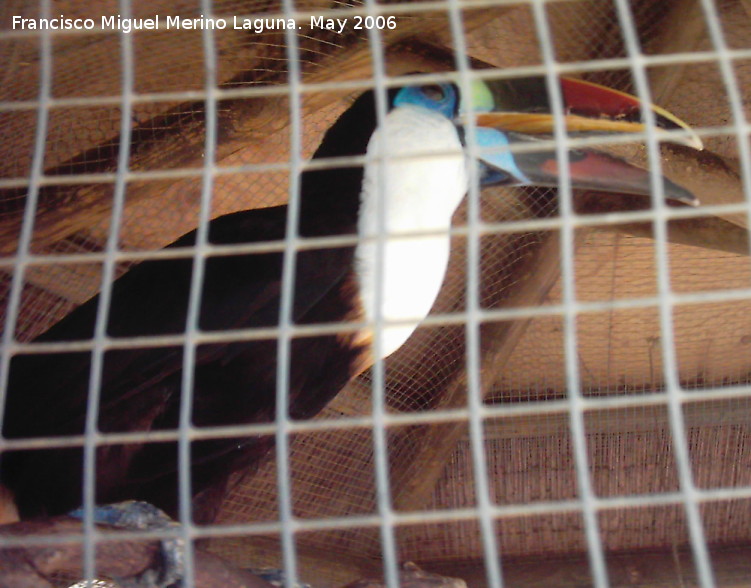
(574, 411)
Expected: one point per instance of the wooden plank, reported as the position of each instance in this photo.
(535, 279)
(314, 564)
(709, 232)
(619, 420)
(732, 569)
(686, 35)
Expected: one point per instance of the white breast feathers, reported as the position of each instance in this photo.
(416, 188)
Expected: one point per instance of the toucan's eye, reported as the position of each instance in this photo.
(434, 92)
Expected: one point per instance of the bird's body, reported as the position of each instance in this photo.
(415, 176)
(235, 381)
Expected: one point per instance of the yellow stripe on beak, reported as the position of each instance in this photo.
(540, 123)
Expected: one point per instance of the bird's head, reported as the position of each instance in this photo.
(516, 112)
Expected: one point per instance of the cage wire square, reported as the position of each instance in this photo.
(575, 410)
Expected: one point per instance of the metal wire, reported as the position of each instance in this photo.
(595, 550)
(380, 456)
(491, 553)
(588, 504)
(285, 309)
(673, 389)
(185, 424)
(100, 327)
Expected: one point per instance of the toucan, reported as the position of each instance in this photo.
(416, 172)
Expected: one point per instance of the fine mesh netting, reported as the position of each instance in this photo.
(524, 378)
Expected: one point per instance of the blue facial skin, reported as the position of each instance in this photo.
(439, 97)
(497, 167)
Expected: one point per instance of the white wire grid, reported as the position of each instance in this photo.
(476, 412)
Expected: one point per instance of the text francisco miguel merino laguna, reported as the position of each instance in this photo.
(258, 25)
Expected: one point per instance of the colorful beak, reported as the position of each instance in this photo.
(521, 105)
(589, 169)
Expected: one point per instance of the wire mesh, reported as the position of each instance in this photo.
(580, 389)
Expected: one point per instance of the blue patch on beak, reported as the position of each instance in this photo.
(499, 165)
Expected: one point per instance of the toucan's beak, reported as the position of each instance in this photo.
(511, 112)
(589, 169)
(521, 105)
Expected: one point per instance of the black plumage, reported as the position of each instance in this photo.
(235, 381)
